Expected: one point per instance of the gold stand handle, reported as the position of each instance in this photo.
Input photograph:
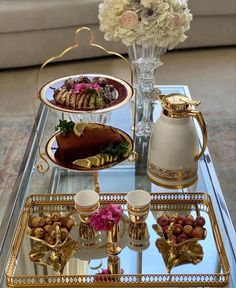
(198, 116)
(76, 45)
(40, 167)
(133, 156)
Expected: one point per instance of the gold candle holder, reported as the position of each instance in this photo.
(113, 238)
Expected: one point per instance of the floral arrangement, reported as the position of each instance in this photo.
(106, 217)
(163, 22)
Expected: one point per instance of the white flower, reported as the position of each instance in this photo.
(151, 3)
(128, 21)
(162, 7)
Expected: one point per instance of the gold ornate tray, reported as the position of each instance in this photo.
(124, 93)
(142, 264)
(52, 149)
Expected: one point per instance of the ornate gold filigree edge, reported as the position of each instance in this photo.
(157, 198)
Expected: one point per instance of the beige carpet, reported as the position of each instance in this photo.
(209, 73)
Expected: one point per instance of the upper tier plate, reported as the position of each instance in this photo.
(124, 93)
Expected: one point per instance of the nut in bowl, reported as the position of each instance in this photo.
(179, 239)
(51, 229)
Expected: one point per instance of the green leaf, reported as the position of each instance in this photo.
(117, 150)
(65, 126)
(90, 90)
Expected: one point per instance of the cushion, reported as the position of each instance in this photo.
(212, 7)
(28, 15)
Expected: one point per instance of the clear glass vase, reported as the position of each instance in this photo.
(144, 58)
(102, 118)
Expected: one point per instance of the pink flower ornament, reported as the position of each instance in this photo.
(176, 20)
(106, 217)
(80, 87)
(98, 276)
(129, 19)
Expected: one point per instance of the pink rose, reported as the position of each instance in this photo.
(176, 20)
(129, 19)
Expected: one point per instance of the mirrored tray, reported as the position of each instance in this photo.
(142, 265)
(52, 149)
(124, 93)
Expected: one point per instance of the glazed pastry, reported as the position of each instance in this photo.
(92, 141)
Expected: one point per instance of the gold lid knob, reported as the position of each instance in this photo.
(177, 103)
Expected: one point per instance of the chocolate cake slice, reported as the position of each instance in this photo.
(92, 141)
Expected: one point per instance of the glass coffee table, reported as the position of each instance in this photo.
(122, 178)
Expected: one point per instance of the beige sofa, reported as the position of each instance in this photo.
(33, 30)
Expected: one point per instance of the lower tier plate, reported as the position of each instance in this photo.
(54, 156)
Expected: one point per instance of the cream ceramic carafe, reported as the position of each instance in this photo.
(173, 152)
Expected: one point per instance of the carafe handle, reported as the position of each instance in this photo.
(198, 116)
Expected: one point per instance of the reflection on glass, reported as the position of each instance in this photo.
(138, 236)
(102, 118)
(113, 264)
(88, 237)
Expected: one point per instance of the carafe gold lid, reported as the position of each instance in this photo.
(177, 104)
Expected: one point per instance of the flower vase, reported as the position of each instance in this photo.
(113, 237)
(148, 28)
(145, 59)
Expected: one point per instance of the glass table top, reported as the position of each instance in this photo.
(124, 177)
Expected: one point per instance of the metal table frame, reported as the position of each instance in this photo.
(21, 188)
